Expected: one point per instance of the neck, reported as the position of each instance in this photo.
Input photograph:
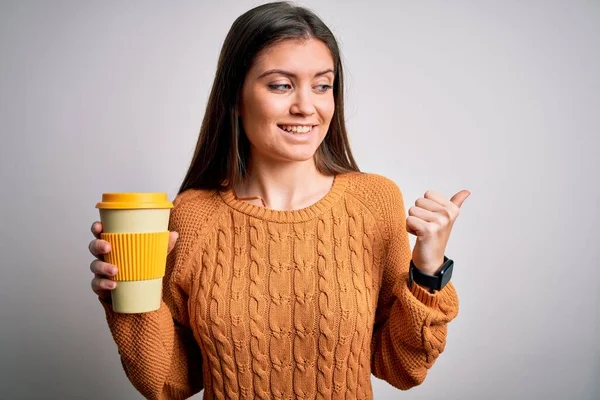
(284, 186)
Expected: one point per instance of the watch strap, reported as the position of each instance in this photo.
(433, 282)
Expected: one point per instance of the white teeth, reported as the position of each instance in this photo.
(296, 129)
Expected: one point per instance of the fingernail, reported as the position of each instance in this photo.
(113, 270)
(112, 285)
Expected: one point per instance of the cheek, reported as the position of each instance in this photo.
(274, 107)
(264, 112)
(260, 114)
(326, 108)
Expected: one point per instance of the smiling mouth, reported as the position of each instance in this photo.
(296, 129)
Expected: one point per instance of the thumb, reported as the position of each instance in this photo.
(460, 197)
(172, 239)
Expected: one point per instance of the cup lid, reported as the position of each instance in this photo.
(125, 201)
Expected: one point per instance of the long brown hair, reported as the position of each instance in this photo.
(222, 152)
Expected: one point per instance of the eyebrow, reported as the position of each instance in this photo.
(291, 74)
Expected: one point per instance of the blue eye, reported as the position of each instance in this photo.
(325, 88)
(281, 86)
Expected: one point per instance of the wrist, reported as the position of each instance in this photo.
(430, 269)
(435, 281)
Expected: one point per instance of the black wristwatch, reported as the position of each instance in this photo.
(433, 282)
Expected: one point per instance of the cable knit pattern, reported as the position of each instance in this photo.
(280, 312)
(240, 332)
(201, 319)
(258, 310)
(218, 307)
(305, 315)
(347, 322)
(327, 295)
(305, 304)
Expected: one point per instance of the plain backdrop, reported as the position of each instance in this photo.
(498, 97)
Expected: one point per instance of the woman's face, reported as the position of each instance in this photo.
(287, 100)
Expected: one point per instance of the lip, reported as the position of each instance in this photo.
(313, 125)
(299, 137)
(303, 125)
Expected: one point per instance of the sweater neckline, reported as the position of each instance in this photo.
(340, 182)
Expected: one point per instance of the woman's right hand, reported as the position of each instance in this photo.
(103, 271)
(101, 283)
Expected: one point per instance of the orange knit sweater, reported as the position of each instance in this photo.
(303, 304)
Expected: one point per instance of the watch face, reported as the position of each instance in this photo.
(446, 273)
(433, 282)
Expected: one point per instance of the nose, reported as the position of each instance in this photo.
(303, 103)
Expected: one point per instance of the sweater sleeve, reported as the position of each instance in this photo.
(410, 323)
(158, 351)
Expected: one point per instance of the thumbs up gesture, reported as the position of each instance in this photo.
(431, 220)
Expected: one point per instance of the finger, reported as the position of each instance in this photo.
(417, 226)
(98, 247)
(100, 267)
(97, 229)
(410, 230)
(429, 204)
(172, 240)
(100, 284)
(437, 197)
(460, 197)
(423, 214)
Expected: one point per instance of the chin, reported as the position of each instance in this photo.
(302, 155)
(295, 156)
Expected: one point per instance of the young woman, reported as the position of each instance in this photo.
(289, 273)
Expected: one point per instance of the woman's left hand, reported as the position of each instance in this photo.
(431, 220)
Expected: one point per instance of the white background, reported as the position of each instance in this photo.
(498, 97)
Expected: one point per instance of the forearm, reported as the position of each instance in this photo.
(160, 358)
(412, 337)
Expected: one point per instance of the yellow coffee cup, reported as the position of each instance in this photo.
(137, 227)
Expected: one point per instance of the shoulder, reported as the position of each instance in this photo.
(190, 216)
(193, 197)
(370, 182)
(381, 196)
(192, 207)
(376, 191)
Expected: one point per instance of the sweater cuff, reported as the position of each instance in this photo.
(111, 314)
(433, 300)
